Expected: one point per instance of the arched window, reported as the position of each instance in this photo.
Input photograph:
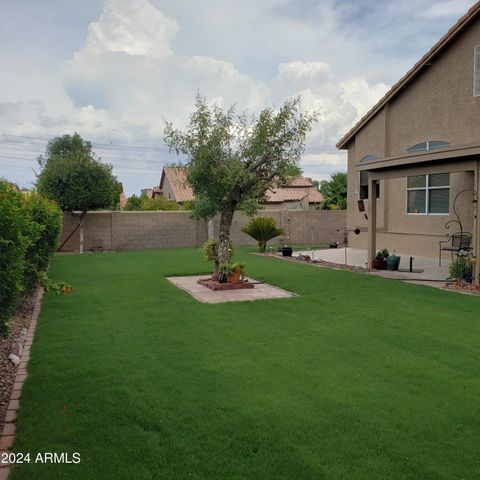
(426, 146)
(368, 158)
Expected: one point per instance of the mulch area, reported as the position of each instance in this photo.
(8, 370)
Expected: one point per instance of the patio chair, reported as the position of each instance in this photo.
(455, 244)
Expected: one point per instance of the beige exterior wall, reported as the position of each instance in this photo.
(138, 230)
(438, 105)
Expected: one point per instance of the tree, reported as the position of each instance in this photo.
(262, 229)
(233, 159)
(72, 176)
(334, 192)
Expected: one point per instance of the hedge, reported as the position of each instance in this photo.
(30, 226)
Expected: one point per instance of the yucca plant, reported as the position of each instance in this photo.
(262, 229)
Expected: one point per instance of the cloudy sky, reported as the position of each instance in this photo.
(113, 70)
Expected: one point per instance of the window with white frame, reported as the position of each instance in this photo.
(428, 194)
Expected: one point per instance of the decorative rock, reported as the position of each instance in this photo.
(17, 349)
(21, 339)
(24, 331)
(15, 359)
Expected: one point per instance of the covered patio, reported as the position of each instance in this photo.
(448, 160)
(425, 269)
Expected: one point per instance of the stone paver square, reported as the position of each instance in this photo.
(261, 291)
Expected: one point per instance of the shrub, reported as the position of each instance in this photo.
(15, 228)
(262, 229)
(48, 216)
(142, 203)
(458, 269)
(29, 228)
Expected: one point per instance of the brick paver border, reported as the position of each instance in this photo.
(8, 433)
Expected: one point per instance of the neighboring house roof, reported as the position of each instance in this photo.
(297, 189)
(424, 62)
(177, 178)
(280, 195)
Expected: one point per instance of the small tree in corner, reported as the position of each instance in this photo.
(232, 160)
(75, 179)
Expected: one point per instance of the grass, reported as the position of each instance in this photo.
(357, 378)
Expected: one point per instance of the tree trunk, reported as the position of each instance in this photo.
(226, 218)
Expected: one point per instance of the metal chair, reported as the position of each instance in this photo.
(456, 243)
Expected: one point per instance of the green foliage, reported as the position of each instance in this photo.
(15, 228)
(334, 192)
(51, 286)
(210, 250)
(382, 254)
(458, 269)
(262, 229)
(228, 268)
(29, 229)
(74, 178)
(142, 203)
(46, 214)
(236, 158)
(189, 205)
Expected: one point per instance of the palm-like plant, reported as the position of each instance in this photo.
(262, 229)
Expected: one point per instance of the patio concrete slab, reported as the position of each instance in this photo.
(261, 291)
(358, 257)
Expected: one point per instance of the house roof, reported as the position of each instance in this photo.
(177, 178)
(280, 195)
(297, 189)
(424, 62)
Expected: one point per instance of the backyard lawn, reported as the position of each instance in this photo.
(356, 378)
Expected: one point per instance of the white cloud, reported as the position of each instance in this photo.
(131, 27)
(128, 77)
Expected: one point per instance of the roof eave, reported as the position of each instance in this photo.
(411, 74)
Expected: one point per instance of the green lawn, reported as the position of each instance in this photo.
(356, 378)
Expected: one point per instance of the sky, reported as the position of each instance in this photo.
(115, 70)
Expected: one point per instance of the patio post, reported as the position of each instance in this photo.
(372, 220)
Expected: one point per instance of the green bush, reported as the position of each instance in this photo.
(142, 203)
(262, 229)
(46, 214)
(458, 269)
(29, 228)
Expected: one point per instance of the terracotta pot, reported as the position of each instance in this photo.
(234, 277)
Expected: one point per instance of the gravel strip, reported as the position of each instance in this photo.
(7, 369)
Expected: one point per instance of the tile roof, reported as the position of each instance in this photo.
(281, 194)
(425, 61)
(177, 178)
(296, 190)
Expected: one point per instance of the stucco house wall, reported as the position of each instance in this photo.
(437, 105)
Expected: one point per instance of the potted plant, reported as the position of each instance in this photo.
(380, 262)
(233, 271)
(393, 262)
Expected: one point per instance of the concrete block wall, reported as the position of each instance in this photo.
(138, 230)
